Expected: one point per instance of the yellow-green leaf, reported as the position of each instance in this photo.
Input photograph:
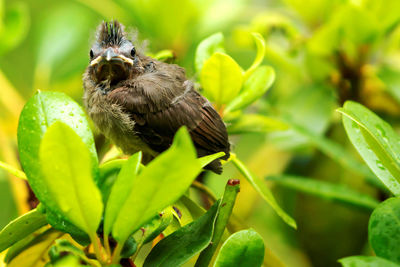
(183, 244)
(207, 47)
(21, 227)
(383, 230)
(36, 253)
(39, 113)
(158, 185)
(205, 160)
(243, 248)
(376, 141)
(120, 190)
(254, 87)
(263, 190)
(260, 44)
(66, 165)
(366, 261)
(221, 78)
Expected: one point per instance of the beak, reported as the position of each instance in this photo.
(109, 56)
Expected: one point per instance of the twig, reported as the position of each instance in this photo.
(204, 189)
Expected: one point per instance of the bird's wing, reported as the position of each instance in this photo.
(206, 128)
(157, 120)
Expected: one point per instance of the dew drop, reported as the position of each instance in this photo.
(379, 165)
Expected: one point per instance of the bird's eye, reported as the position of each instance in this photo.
(91, 54)
(133, 52)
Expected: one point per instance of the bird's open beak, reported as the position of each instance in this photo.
(110, 56)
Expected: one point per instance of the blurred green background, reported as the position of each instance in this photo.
(324, 52)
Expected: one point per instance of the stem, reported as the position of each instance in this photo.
(231, 157)
(92, 262)
(117, 253)
(139, 246)
(204, 189)
(225, 209)
(107, 244)
(263, 190)
(133, 257)
(14, 171)
(241, 167)
(97, 248)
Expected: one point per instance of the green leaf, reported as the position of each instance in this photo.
(59, 222)
(157, 225)
(59, 36)
(260, 44)
(183, 244)
(108, 174)
(181, 213)
(207, 47)
(70, 260)
(349, 27)
(221, 78)
(314, 12)
(336, 152)
(324, 41)
(160, 184)
(256, 123)
(384, 229)
(68, 180)
(174, 226)
(243, 248)
(386, 12)
(16, 26)
(260, 186)
(35, 251)
(376, 141)
(311, 106)
(109, 168)
(356, 24)
(9, 208)
(41, 111)
(18, 247)
(326, 190)
(259, 81)
(130, 247)
(163, 55)
(390, 76)
(121, 190)
(204, 161)
(268, 22)
(232, 188)
(21, 227)
(195, 210)
(63, 247)
(366, 261)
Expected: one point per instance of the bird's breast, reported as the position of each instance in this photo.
(114, 122)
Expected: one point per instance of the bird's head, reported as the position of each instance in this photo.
(112, 57)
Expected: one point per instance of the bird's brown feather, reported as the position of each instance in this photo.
(143, 107)
(158, 121)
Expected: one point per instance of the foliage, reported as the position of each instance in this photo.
(376, 142)
(242, 248)
(275, 70)
(61, 165)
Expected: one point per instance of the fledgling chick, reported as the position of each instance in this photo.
(140, 103)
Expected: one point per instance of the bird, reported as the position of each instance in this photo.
(139, 103)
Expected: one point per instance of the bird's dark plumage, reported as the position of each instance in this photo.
(140, 102)
(111, 33)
